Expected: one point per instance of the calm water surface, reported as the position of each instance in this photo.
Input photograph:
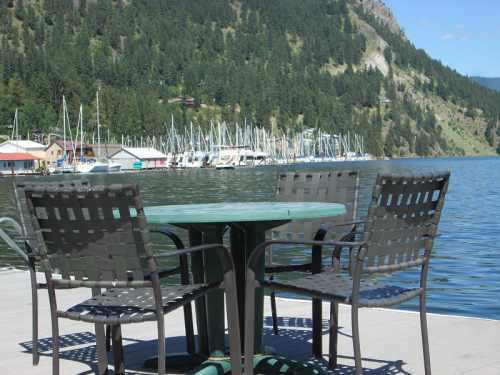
(465, 269)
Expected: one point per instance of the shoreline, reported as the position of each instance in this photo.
(337, 162)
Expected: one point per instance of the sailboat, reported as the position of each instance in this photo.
(95, 165)
(63, 165)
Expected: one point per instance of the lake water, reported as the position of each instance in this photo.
(465, 270)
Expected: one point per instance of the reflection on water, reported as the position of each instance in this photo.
(465, 270)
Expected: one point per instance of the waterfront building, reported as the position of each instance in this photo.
(135, 158)
(26, 147)
(57, 149)
(12, 163)
(106, 150)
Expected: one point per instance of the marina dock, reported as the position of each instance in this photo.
(390, 338)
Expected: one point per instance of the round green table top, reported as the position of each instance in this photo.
(234, 212)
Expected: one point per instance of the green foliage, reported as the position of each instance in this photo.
(143, 53)
(491, 83)
(253, 60)
(490, 132)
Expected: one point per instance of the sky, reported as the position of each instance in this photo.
(463, 34)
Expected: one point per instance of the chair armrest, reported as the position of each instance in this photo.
(259, 250)
(13, 223)
(165, 272)
(337, 251)
(221, 251)
(315, 265)
(175, 239)
(183, 268)
(288, 268)
(345, 223)
(9, 240)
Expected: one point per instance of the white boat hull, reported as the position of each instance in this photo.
(98, 167)
(224, 166)
(114, 167)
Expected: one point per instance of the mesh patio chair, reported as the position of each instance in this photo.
(97, 237)
(18, 235)
(335, 187)
(398, 234)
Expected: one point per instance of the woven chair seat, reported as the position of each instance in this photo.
(123, 306)
(336, 286)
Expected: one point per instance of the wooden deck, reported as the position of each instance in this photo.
(390, 339)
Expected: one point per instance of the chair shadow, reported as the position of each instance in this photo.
(303, 323)
(293, 342)
(80, 347)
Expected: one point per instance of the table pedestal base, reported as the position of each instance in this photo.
(177, 362)
(263, 364)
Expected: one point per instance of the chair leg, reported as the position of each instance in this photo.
(55, 346)
(355, 340)
(189, 328)
(233, 328)
(116, 336)
(249, 327)
(102, 356)
(317, 328)
(333, 335)
(34, 317)
(274, 313)
(425, 336)
(108, 338)
(55, 332)
(162, 351)
(188, 309)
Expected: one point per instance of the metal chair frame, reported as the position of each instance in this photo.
(20, 239)
(97, 237)
(400, 228)
(333, 186)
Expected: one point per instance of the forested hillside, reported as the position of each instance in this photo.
(289, 64)
(491, 83)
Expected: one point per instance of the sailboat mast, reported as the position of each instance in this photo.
(64, 127)
(15, 128)
(81, 132)
(98, 129)
(17, 125)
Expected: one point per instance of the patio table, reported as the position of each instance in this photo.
(249, 222)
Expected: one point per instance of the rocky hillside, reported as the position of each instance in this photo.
(338, 65)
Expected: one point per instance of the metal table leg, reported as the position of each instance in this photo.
(214, 298)
(195, 239)
(244, 238)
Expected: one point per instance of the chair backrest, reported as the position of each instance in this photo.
(22, 209)
(91, 234)
(402, 221)
(335, 187)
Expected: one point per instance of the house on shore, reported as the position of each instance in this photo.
(107, 149)
(136, 158)
(57, 149)
(15, 163)
(26, 147)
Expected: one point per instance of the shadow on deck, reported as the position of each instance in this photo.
(293, 342)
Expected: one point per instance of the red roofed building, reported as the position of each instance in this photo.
(17, 163)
